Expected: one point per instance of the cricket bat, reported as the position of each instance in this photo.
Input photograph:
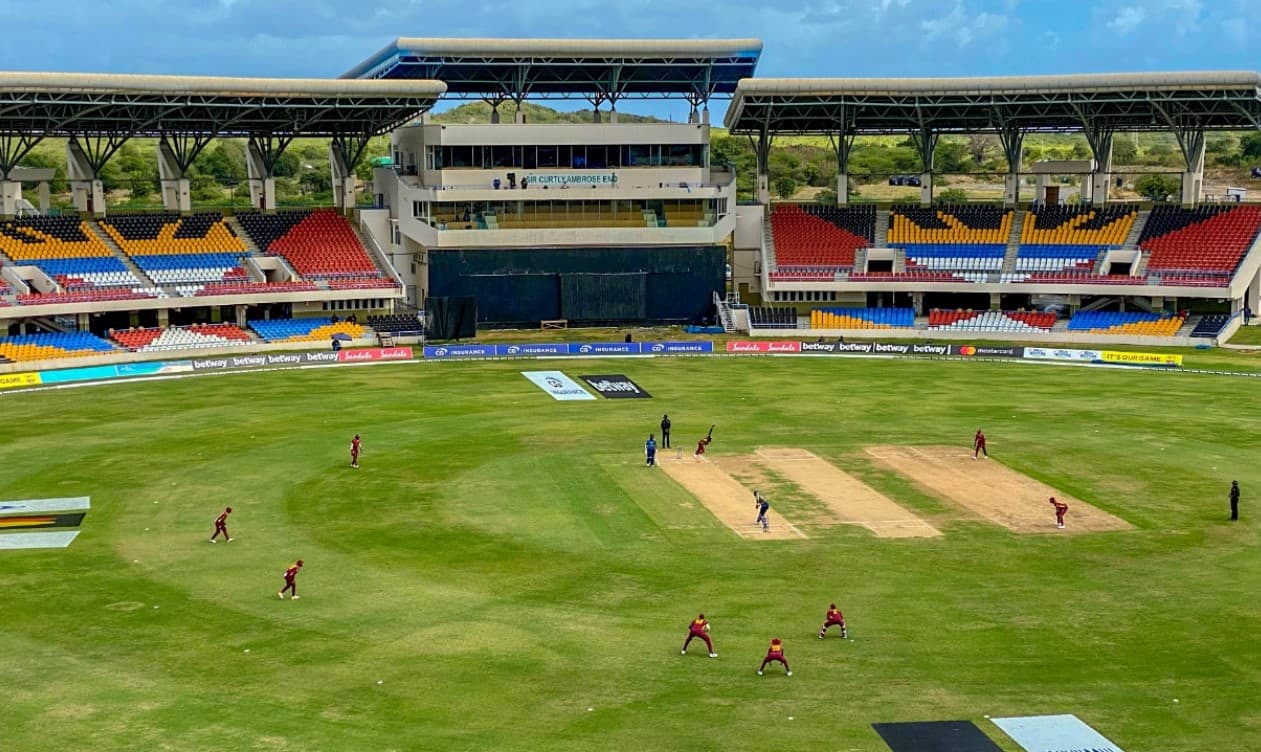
(710, 435)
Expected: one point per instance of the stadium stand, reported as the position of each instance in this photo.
(862, 318)
(1126, 322)
(304, 330)
(181, 338)
(170, 234)
(823, 237)
(967, 241)
(89, 296)
(37, 238)
(362, 284)
(396, 323)
(1040, 257)
(180, 250)
(318, 244)
(65, 249)
(991, 321)
(52, 345)
(772, 317)
(1210, 325)
(244, 288)
(911, 275)
(1078, 225)
(950, 225)
(1205, 244)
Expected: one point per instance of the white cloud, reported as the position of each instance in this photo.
(962, 27)
(1127, 19)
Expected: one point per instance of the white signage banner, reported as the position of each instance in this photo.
(557, 384)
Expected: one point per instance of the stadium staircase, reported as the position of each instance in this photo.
(1140, 266)
(724, 313)
(376, 253)
(1013, 244)
(899, 261)
(860, 260)
(114, 248)
(1136, 231)
(768, 244)
(1189, 326)
(882, 229)
(240, 232)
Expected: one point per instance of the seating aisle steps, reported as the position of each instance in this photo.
(1013, 243)
(131, 266)
(882, 229)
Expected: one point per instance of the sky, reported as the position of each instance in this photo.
(847, 38)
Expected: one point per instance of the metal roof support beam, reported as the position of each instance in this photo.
(762, 147)
(925, 138)
(176, 152)
(13, 149)
(262, 153)
(842, 141)
(86, 154)
(494, 103)
(1098, 132)
(520, 90)
(344, 154)
(1188, 129)
(1012, 138)
(596, 100)
(614, 91)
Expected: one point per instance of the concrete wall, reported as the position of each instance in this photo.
(749, 225)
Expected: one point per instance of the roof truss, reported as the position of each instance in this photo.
(518, 77)
(1220, 107)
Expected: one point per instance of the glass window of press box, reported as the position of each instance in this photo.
(499, 215)
(581, 157)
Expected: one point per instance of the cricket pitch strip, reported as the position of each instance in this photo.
(848, 499)
(992, 490)
(726, 498)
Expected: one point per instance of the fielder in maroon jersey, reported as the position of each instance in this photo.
(1060, 509)
(978, 445)
(291, 580)
(699, 628)
(221, 526)
(775, 654)
(356, 446)
(834, 618)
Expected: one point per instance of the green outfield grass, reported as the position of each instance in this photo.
(514, 578)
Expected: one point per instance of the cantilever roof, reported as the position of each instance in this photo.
(140, 105)
(1130, 101)
(560, 68)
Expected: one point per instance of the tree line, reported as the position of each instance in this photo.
(303, 176)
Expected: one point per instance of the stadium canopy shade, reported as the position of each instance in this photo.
(69, 104)
(1144, 101)
(517, 69)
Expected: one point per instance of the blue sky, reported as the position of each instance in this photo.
(324, 38)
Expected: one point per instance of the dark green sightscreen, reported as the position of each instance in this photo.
(521, 287)
(604, 297)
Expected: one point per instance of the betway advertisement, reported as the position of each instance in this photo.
(571, 349)
(772, 347)
(266, 360)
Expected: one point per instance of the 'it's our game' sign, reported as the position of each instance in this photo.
(615, 386)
